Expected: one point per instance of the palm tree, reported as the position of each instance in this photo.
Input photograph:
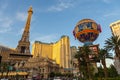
(3, 68)
(87, 52)
(103, 54)
(113, 43)
(83, 60)
(79, 57)
(112, 71)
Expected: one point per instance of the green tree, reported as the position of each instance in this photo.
(52, 74)
(113, 43)
(83, 61)
(100, 73)
(112, 71)
(103, 54)
(3, 68)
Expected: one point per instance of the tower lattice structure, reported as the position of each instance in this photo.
(23, 46)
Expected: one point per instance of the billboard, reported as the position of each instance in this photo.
(93, 56)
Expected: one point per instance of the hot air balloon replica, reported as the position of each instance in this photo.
(87, 31)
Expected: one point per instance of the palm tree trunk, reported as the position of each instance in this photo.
(88, 67)
(79, 64)
(117, 52)
(88, 70)
(105, 68)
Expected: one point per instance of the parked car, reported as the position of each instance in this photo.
(4, 79)
(57, 78)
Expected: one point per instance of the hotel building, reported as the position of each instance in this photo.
(115, 28)
(58, 51)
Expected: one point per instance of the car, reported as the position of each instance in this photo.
(57, 78)
(4, 79)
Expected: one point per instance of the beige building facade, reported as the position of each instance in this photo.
(40, 66)
(115, 28)
(5, 53)
(74, 61)
(58, 51)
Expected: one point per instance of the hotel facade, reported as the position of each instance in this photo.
(58, 51)
(115, 28)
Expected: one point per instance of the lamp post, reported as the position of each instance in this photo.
(17, 76)
(0, 59)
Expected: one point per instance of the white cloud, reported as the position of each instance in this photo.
(5, 24)
(113, 13)
(107, 1)
(5, 21)
(62, 4)
(20, 32)
(21, 16)
(46, 38)
(4, 30)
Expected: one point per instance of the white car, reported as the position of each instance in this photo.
(57, 78)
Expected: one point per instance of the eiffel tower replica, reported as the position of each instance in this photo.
(22, 52)
(24, 44)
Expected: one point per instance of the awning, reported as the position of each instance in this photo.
(13, 73)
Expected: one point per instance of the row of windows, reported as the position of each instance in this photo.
(89, 25)
(116, 24)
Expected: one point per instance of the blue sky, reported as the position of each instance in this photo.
(53, 18)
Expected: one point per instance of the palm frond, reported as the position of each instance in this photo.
(113, 43)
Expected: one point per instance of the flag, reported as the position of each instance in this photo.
(99, 28)
(74, 34)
